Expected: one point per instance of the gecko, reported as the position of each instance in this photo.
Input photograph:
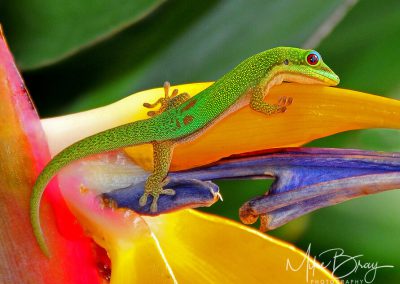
(181, 118)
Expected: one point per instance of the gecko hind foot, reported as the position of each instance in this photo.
(168, 101)
(155, 189)
(156, 196)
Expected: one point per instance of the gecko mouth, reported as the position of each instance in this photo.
(319, 77)
(326, 76)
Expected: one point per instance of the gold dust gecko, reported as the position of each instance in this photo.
(181, 118)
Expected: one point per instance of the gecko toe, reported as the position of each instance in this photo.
(153, 206)
(143, 200)
(168, 191)
(282, 109)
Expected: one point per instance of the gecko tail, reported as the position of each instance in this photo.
(135, 133)
(51, 169)
(37, 193)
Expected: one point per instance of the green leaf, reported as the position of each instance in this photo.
(363, 50)
(44, 31)
(214, 44)
(181, 42)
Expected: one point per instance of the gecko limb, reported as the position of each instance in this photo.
(257, 103)
(162, 153)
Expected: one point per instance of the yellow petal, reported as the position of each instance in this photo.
(202, 248)
(185, 246)
(316, 112)
(193, 247)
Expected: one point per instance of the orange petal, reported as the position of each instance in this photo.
(316, 112)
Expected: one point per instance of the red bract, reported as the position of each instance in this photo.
(23, 153)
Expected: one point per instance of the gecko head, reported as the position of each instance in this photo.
(306, 67)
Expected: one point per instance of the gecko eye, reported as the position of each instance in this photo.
(286, 62)
(313, 58)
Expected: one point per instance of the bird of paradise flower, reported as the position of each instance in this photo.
(183, 245)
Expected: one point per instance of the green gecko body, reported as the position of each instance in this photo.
(182, 118)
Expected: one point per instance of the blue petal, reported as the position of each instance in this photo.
(306, 179)
(188, 194)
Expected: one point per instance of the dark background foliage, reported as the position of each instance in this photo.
(77, 55)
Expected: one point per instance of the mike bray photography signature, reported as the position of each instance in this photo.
(338, 260)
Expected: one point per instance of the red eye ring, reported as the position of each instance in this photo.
(312, 59)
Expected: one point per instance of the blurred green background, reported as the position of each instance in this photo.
(77, 55)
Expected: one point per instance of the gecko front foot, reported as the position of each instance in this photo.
(154, 189)
(283, 103)
(257, 103)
